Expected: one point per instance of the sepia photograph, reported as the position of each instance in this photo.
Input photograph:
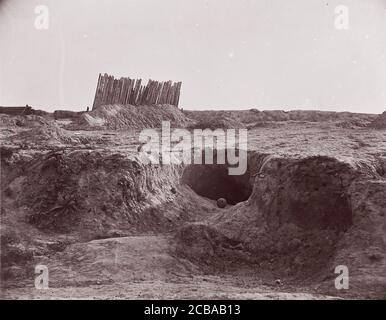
(193, 150)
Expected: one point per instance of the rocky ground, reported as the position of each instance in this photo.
(76, 198)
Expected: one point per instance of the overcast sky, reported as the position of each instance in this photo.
(229, 54)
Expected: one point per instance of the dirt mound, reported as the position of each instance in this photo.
(93, 191)
(353, 124)
(214, 120)
(255, 118)
(295, 222)
(16, 255)
(363, 247)
(97, 193)
(323, 116)
(28, 121)
(311, 194)
(208, 246)
(116, 260)
(130, 117)
(66, 114)
(50, 134)
(379, 122)
(60, 197)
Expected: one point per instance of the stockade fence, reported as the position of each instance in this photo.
(130, 91)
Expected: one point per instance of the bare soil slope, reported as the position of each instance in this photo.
(108, 226)
(129, 117)
(379, 122)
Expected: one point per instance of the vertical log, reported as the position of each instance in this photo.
(178, 94)
(137, 91)
(122, 83)
(160, 93)
(164, 93)
(144, 94)
(102, 89)
(126, 90)
(159, 88)
(156, 92)
(132, 92)
(105, 88)
(110, 92)
(122, 93)
(150, 93)
(111, 96)
(97, 93)
(168, 92)
(153, 99)
(118, 91)
(155, 95)
(129, 91)
(173, 95)
(114, 92)
(140, 95)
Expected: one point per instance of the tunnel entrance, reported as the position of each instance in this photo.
(214, 182)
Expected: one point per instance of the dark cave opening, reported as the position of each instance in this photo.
(213, 181)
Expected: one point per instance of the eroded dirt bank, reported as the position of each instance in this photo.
(108, 226)
(292, 219)
(303, 218)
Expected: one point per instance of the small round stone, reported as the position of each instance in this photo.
(278, 282)
(221, 203)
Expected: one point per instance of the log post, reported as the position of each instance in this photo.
(97, 93)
